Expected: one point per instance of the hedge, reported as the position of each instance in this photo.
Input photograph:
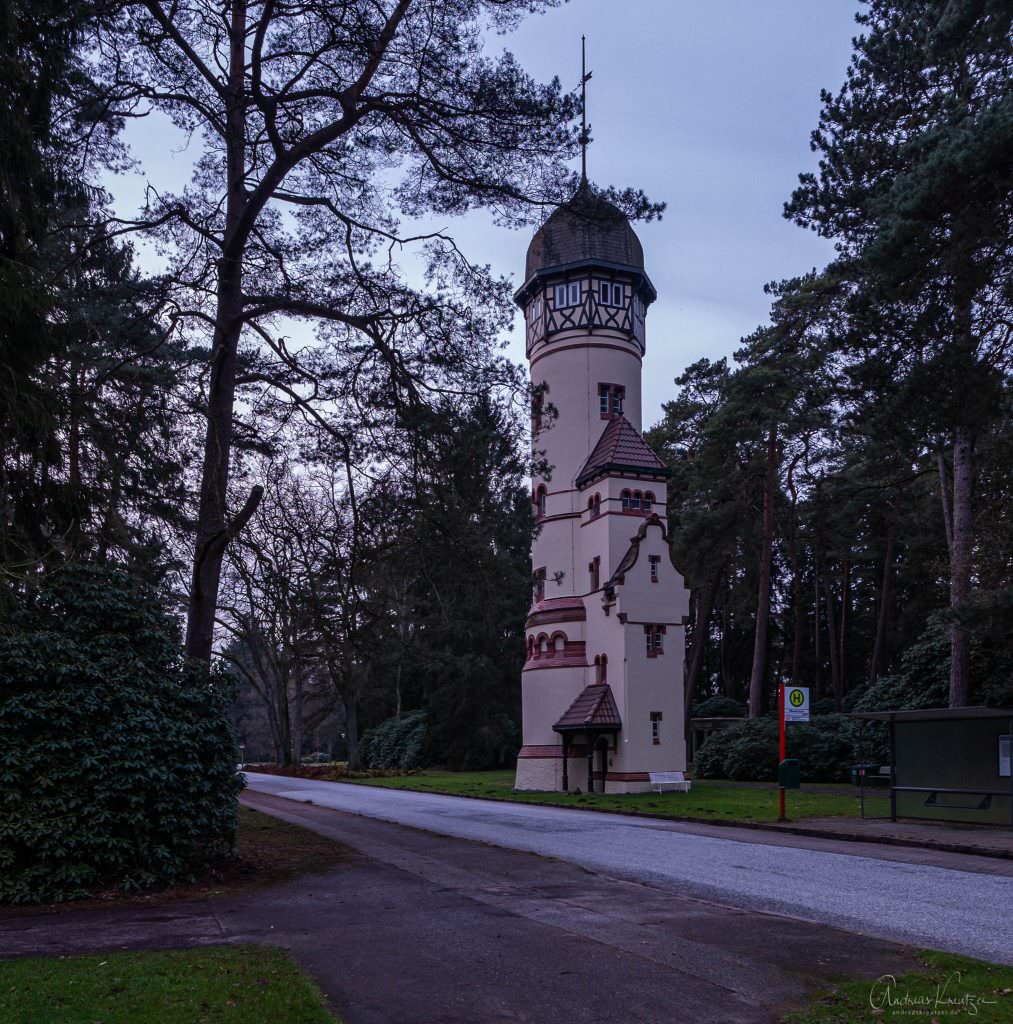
(117, 763)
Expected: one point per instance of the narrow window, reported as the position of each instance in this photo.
(541, 500)
(625, 500)
(559, 296)
(656, 728)
(635, 502)
(597, 506)
(540, 584)
(602, 668)
(653, 637)
(603, 400)
(536, 414)
(558, 643)
(536, 309)
(573, 290)
(604, 292)
(594, 572)
(618, 394)
(655, 561)
(648, 502)
(617, 295)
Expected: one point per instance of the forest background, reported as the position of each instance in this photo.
(344, 525)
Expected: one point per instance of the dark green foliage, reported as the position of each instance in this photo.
(398, 743)
(117, 764)
(826, 748)
(720, 707)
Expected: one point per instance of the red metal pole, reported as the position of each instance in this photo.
(780, 715)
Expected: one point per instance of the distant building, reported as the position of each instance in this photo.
(603, 678)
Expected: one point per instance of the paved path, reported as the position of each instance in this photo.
(901, 895)
(422, 928)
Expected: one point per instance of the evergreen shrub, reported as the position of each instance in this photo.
(397, 743)
(117, 762)
(719, 707)
(826, 748)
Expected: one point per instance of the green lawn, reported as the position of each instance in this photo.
(949, 988)
(217, 985)
(715, 801)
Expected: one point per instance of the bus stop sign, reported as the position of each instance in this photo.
(796, 704)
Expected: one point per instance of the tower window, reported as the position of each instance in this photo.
(536, 308)
(624, 500)
(541, 500)
(610, 293)
(648, 501)
(656, 728)
(654, 638)
(655, 561)
(594, 572)
(601, 667)
(610, 400)
(567, 294)
(635, 501)
(539, 577)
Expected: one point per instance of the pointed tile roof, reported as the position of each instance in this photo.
(621, 449)
(594, 708)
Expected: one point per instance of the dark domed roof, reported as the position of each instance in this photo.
(585, 228)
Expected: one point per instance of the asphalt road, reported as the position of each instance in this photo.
(964, 911)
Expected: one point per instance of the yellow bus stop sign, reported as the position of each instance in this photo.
(796, 704)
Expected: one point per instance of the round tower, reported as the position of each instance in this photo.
(584, 299)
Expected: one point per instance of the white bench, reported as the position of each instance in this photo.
(676, 781)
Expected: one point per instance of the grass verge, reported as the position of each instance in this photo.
(947, 989)
(212, 985)
(712, 801)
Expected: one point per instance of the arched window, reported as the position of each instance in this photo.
(531, 647)
(558, 643)
(625, 499)
(597, 506)
(648, 501)
(543, 646)
(635, 503)
(541, 500)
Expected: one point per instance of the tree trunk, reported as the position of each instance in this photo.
(763, 588)
(835, 667)
(845, 601)
(960, 564)
(879, 647)
(297, 729)
(817, 632)
(213, 529)
(704, 607)
(351, 729)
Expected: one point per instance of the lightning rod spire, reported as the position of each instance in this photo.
(585, 77)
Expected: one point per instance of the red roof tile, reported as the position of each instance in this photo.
(594, 708)
(620, 447)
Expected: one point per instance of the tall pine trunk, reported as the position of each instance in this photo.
(836, 681)
(960, 564)
(879, 647)
(704, 607)
(763, 587)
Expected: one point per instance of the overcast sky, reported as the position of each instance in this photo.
(705, 104)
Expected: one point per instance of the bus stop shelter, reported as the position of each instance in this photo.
(950, 764)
